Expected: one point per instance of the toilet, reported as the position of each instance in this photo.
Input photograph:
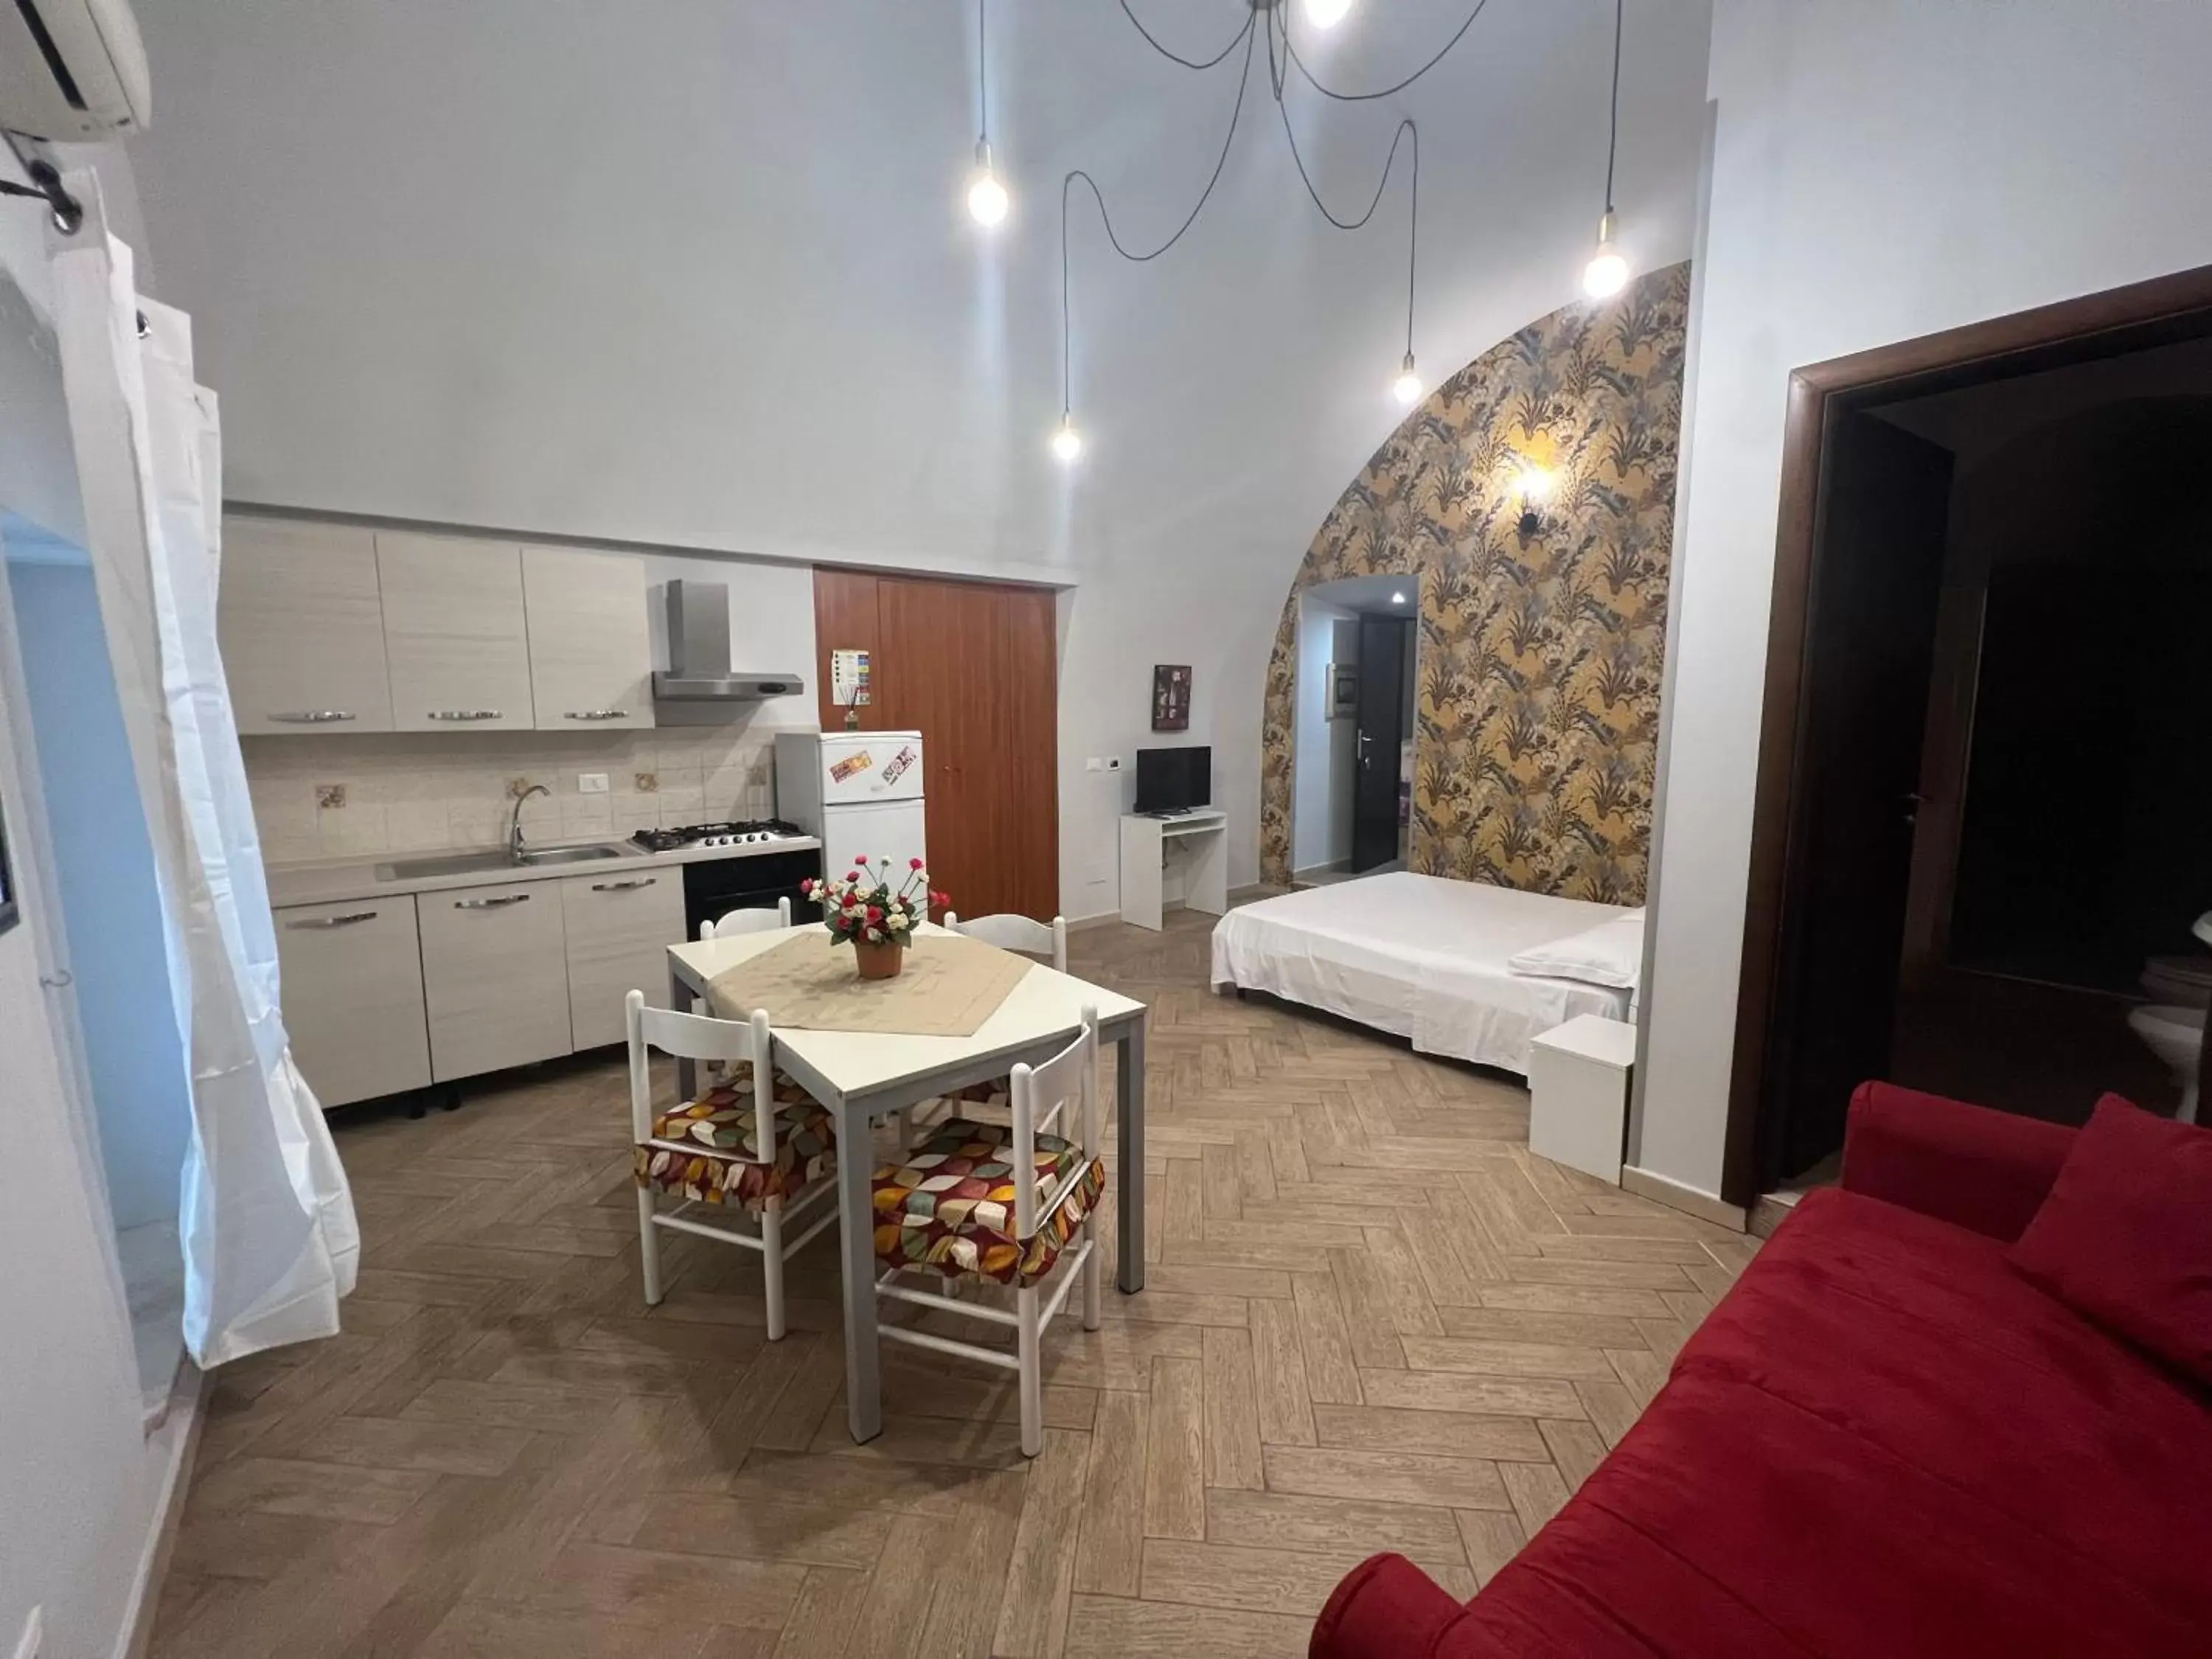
(2173, 1025)
(2176, 1035)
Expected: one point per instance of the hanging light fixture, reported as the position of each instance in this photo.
(1406, 388)
(1067, 441)
(988, 200)
(1607, 274)
(1327, 14)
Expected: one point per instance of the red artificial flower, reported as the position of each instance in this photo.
(807, 886)
(914, 863)
(875, 913)
(852, 875)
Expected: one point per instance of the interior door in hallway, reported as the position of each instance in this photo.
(972, 666)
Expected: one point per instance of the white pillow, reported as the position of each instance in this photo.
(1610, 955)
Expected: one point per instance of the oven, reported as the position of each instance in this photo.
(714, 887)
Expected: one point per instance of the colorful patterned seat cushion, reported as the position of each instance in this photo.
(949, 1204)
(726, 1167)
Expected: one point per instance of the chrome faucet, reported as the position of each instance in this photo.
(514, 827)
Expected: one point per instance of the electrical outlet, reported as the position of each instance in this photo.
(1094, 764)
(591, 783)
(1113, 763)
(34, 1632)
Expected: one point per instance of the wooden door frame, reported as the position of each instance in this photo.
(2138, 317)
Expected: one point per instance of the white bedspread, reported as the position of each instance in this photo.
(1420, 956)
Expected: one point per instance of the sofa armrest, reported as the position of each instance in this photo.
(1978, 1168)
(1386, 1607)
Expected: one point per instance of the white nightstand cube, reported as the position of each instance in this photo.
(1578, 1094)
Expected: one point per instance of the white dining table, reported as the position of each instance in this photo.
(863, 1075)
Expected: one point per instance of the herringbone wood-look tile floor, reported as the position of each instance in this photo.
(1373, 1322)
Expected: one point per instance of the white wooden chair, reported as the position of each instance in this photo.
(1018, 932)
(747, 921)
(991, 1099)
(936, 1217)
(772, 1153)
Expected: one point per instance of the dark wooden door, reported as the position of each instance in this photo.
(1384, 643)
(1870, 631)
(973, 666)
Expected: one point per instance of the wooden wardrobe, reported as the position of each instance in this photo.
(973, 666)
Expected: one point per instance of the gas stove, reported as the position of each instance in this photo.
(750, 832)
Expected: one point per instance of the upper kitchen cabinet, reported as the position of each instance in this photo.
(591, 652)
(455, 634)
(302, 628)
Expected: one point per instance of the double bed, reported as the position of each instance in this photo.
(1424, 959)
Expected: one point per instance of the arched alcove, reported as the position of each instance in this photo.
(1541, 639)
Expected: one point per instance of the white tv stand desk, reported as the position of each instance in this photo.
(1182, 860)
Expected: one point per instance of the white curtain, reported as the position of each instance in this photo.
(266, 1219)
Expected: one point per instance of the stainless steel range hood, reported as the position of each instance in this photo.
(698, 653)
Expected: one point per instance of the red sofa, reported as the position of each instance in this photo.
(1883, 1442)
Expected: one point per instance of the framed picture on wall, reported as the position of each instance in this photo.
(1171, 697)
(8, 907)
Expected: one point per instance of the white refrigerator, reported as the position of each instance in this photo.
(859, 793)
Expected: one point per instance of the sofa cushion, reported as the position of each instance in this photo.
(2126, 1235)
(1884, 1441)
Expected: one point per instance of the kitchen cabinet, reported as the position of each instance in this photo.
(591, 652)
(301, 625)
(456, 636)
(352, 983)
(495, 977)
(619, 928)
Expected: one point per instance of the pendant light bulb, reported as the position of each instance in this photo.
(1327, 14)
(1406, 388)
(1606, 273)
(1067, 441)
(988, 200)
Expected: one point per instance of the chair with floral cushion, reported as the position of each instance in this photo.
(774, 1158)
(1015, 1205)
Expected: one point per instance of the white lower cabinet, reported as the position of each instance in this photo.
(352, 985)
(619, 929)
(495, 977)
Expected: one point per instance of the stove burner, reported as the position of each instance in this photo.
(744, 833)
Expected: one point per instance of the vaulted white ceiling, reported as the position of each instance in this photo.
(697, 273)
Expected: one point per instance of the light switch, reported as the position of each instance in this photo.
(591, 783)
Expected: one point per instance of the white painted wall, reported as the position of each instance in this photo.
(1315, 841)
(1881, 170)
(697, 276)
(81, 1481)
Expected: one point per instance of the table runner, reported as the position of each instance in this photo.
(949, 987)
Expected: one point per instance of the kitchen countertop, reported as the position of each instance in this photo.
(337, 881)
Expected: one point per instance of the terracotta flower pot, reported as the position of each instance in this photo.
(880, 960)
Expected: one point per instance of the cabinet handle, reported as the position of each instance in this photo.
(597, 714)
(624, 886)
(468, 714)
(491, 904)
(345, 921)
(312, 716)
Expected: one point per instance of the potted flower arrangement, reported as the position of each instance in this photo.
(877, 920)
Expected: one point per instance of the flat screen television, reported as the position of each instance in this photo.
(1174, 780)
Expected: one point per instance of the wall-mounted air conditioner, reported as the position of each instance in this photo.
(72, 70)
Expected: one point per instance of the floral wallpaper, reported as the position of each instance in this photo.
(1539, 648)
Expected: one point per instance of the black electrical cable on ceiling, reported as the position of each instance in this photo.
(1613, 141)
(1106, 219)
(1188, 63)
(1384, 92)
(1405, 127)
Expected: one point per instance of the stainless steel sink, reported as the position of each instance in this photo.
(470, 864)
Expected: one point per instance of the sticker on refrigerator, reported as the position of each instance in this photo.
(899, 764)
(840, 770)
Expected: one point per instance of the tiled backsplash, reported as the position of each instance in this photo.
(325, 797)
